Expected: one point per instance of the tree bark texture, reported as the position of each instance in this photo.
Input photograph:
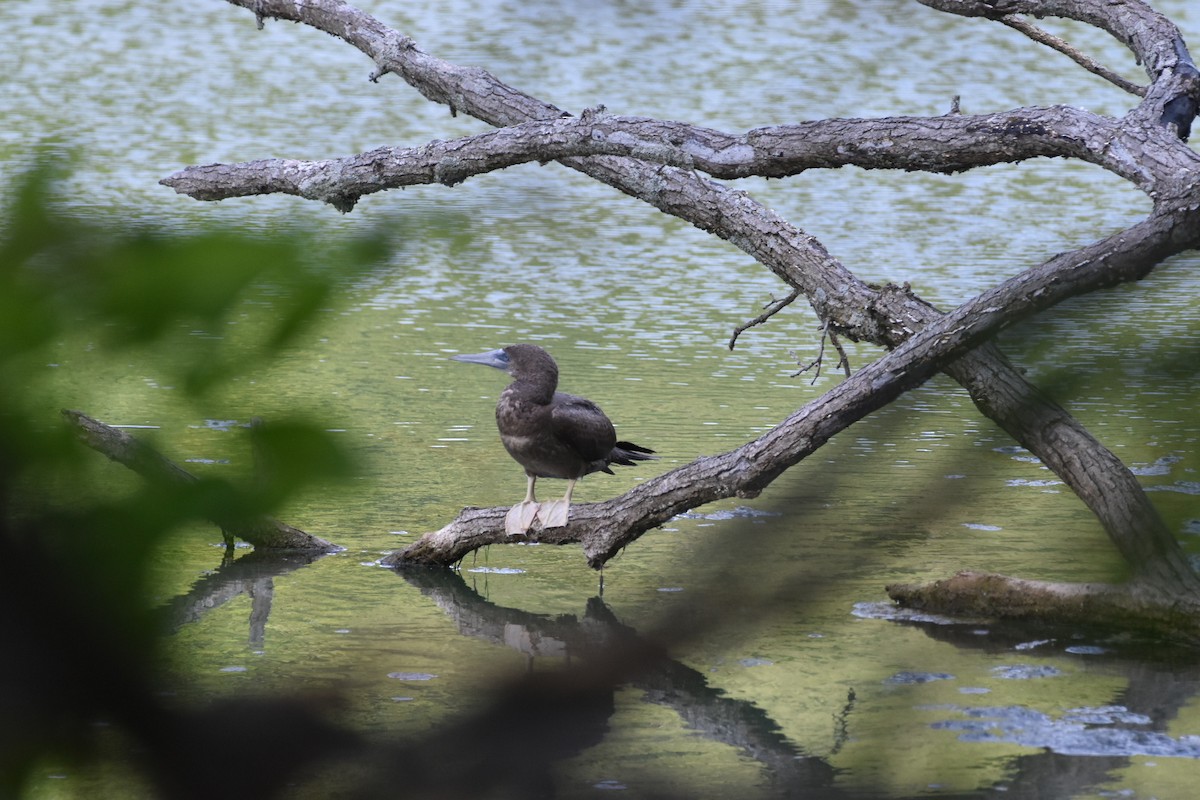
(660, 162)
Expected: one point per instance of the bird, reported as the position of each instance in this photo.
(550, 433)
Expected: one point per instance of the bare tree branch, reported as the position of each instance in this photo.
(342, 181)
(772, 308)
(1143, 147)
(605, 528)
(943, 144)
(119, 446)
(843, 359)
(1140, 607)
(1091, 65)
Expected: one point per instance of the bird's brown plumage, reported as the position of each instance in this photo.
(550, 433)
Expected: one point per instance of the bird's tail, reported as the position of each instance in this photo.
(628, 454)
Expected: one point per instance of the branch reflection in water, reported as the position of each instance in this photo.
(516, 740)
(604, 654)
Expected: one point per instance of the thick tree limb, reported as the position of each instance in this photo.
(341, 181)
(1138, 147)
(605, 528)
(945, 144)
(260, 531)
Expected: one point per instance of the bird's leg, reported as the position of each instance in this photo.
(553, 513)
(520, 517)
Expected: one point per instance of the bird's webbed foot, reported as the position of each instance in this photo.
(520, 517)
(553, 513)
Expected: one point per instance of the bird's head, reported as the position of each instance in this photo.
(518, 360)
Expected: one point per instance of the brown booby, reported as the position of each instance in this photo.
(549, 433)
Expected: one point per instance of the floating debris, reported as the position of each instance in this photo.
(1183, 487)
(224, 424)
(1028, 482)
(1031, 645)
(756, 662)
(1079, 732)
(1087, 650)
(1160, 466)
(609, 784)
(1025, 672)
(891, 611)
(741, 512)
(1106, 715)
(908, 678)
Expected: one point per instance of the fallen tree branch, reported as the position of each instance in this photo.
(1128, 606)
(1172, 97)
(943, 144)
(1137, 147)
(605, 528)
(342, 181)
(260, 531)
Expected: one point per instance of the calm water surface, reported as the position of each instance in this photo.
(637, 309)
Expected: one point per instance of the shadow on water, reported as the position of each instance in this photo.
(526, 725)
(516, 737)
(614, 654)
(564, 704)
(71, 662)
(1080, 747)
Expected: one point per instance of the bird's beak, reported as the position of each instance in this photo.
(492, 358)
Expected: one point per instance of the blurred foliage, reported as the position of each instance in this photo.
(79, 632)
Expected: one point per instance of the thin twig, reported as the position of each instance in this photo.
(816, 362)
(841, 724)
(1085, 61)
(843, 359)
(772, 308)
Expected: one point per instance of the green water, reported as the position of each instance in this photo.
(637, 309)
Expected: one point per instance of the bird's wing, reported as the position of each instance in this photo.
(582, 425)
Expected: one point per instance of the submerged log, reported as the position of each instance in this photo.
(1133, 606)
(259, 530)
